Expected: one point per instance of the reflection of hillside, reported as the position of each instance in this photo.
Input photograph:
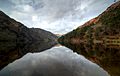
(105, 56)
(58, 45)
(10, 51)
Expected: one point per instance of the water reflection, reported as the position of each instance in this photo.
(57, 61)
(10, 51)
(107, 56)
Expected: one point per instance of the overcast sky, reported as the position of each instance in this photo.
(57, 16)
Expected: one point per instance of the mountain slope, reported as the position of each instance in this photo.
(17, 31)
(106, 24)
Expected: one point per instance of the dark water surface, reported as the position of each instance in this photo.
(57, 61)
(106, 55)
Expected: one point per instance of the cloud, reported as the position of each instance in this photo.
(53, 9)
(57, 16)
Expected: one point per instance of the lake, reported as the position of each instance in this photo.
(56, 61)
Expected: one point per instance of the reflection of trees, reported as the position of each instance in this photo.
(106, 57)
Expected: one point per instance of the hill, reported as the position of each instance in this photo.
(106, 25)
(15, 39)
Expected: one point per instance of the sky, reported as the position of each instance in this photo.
(57, 16)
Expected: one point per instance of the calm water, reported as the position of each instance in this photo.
(57, 61)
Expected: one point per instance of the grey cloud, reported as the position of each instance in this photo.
(6, 6)
(60, 8)
(53, 9)
(53, 13)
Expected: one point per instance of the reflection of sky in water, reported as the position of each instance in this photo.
(57, 61)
